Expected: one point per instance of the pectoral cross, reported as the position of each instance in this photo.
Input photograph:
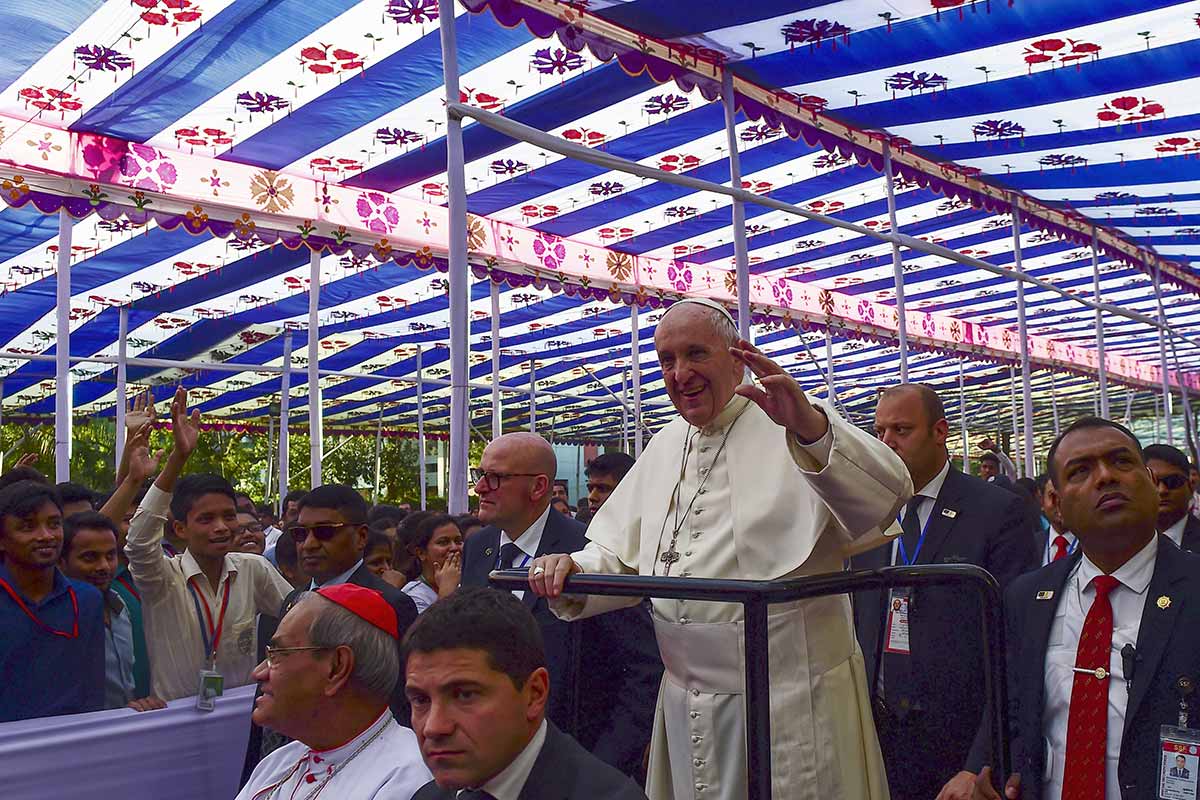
(669, 558)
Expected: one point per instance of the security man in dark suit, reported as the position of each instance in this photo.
(604, 671)
(331, 534)
(928, 697)
(498, 743)
(1172, 475)
(1102, 646)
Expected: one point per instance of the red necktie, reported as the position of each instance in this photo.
(1087, 720)
(1060, 547)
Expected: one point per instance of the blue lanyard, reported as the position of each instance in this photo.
(920, 541)
(524, 562)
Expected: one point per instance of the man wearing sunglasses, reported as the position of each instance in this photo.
(330, 533)
(1171, 472)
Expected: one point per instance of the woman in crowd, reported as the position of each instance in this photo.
(438, 548)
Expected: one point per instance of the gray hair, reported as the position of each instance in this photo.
(376, 657)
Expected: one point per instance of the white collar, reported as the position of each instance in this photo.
(1175, 532)
(337, 581)
(336, 755)
(531, 539)
(507, 785)
(934, 487)
(1134, 574)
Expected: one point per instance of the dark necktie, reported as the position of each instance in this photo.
(1087, 717)
(508, 556)
(475, 794)
(911, 525)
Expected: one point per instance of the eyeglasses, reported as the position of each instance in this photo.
(493, 478)
(1172, 482)
(323, 532)
(273, 653)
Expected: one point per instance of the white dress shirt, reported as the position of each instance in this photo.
(528, 542)
(1049, 549)
(929, 494)
(507, 785)
(173, 639)
(1175, 532)
(338, 580)
(423, 595)
(1127, 600)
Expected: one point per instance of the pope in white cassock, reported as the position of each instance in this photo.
(752, 482)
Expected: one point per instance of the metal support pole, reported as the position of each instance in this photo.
(285, 396)
(316, 437)
(897, 264)
(962, 416)
(63, 391)
(270, 455)
(1054, 405)
(378, 455)
(1162, 355)
(421, 428)
(758, 697)
(122, 379)
(1023, 333)
(497, 410)
(1157, 422)
(1128, 418)
(740, 249)
(532, 396)
(459, 277)
(625, 412)
(635, 350)
(1016, 432)
(830, 391)
(1101, 363)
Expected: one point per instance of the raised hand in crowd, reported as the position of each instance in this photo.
(27, 460)
(448, 574)
(140, 414)
(138, 464)
(781, 397)
(185, 432)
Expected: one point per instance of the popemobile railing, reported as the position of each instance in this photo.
(756, 596)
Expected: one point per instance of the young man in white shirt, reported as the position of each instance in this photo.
(199, 607)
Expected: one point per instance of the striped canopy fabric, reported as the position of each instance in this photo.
(201, 147)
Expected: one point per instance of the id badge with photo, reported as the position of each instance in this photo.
(1179, 763)
(212, 686)
(897, 622)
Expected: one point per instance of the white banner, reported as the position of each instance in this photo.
(177, 753)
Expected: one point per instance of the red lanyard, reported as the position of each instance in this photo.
(213, 633)
(74, 634)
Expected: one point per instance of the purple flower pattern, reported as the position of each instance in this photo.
(377, 212)
(412, 12)
(99, 57)
(556, 62)
(261, 102)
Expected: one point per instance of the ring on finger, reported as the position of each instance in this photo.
(539, 570)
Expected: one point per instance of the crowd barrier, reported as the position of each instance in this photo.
(178, 753)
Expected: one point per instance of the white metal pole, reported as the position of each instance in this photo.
(122, 379)
(830, 392)
(497, 410)
(962, 417)
(625, 412)
(1157, 422)
(270, 455)
(1128, 418)
(285, 396)
(1101, 363)
(635, 349)
(421, 428)
(459, 277)
(740, 249)
(1054, 405)
(532, 396)
(1012, 387)
(1162, 356)
(897, 264)
(63, 390)
(378, 454)
(315, 427)
(1023, 334)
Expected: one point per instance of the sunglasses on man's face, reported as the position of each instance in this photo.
(323, 532)
(1172, 482)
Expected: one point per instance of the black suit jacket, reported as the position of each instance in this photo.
(1168, 648)
(604, 671)
(1191, 535)
(562, 771)
(406, 615)
(972, 522)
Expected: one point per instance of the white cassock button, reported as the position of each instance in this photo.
(695, 692)
(704, 470)
(704, 449)
(696, 739)
(684, 621)
(702, 491)
(687, 552)
(695, 714)
(699, 762)
(685, 574)
(697, 511)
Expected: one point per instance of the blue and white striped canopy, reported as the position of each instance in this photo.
(1083, 110)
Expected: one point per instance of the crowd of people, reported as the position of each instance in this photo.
(386, 668)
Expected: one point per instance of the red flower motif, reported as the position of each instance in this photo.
(678, 162)
(1129, 108)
